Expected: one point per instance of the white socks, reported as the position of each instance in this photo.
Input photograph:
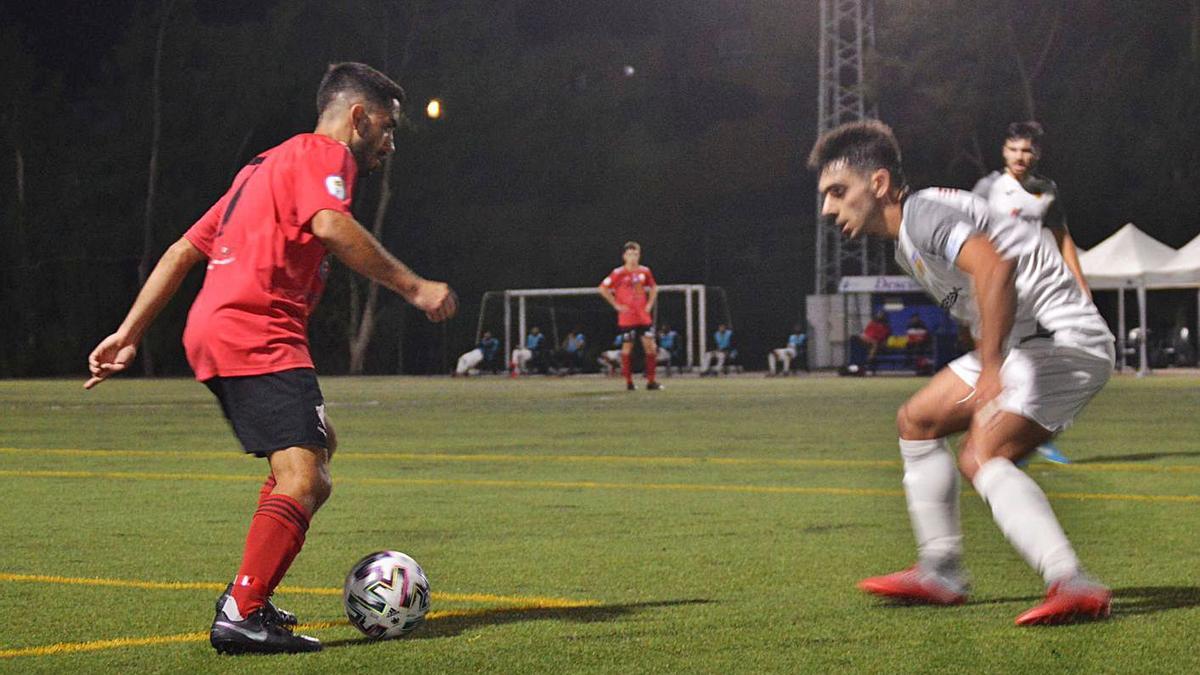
(1024, 515)
(931, 487)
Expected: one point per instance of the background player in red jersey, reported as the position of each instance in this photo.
(631, 290)
(265, 243)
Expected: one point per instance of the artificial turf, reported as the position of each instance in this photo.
(719, 525)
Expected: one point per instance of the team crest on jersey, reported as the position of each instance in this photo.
(336, 186)
(918, 264)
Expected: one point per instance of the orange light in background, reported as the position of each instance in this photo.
(434, 109)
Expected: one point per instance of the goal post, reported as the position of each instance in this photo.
(515, 304)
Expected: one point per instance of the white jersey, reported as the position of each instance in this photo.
(935, 224)
(1019, 209)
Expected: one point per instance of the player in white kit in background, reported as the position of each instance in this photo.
(1031, 202)
(1042, 352)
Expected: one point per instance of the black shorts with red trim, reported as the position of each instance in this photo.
(273, 411)
(632, 333)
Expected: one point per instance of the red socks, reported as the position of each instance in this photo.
(267, 488)
(627, 366)
(276, 535)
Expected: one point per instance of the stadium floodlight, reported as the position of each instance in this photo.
(695, 311)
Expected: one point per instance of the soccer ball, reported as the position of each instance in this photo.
(386, 595)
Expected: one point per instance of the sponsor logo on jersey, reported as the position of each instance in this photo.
(336, 186)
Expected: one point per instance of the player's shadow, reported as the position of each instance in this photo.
(1137, 457)
(1152, 599)
(452, 625)
(1129, 601)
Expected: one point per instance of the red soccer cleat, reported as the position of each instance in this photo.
(1070, 600)
(915, 585)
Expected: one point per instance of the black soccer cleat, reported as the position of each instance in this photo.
(282, 616)
(653, 386)
(629, 386)
(258, 633)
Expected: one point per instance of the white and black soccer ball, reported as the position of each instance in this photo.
(386, 595)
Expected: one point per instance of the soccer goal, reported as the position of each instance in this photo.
(685, 307)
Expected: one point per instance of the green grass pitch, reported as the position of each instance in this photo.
(569, 526)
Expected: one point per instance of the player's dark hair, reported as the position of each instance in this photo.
(1028, 130)
(863, 146)
(631, 244)
(357, 78)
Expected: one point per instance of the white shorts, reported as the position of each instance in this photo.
(1045, 382)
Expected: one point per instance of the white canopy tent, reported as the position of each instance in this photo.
(1182, 270)
(1128, 259)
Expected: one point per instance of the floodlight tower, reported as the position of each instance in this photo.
(847, 34)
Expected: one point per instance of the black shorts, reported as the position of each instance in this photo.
(273, 411)
(632, 333)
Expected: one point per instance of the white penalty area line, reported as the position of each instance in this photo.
(511, 458)
(503, 604)
(576, 485)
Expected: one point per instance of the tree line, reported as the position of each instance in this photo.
(569, 127)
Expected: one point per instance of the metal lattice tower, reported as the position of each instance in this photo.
(847, 34)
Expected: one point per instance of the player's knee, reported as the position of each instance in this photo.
(320, 486)
(968, 461)
(906, 426)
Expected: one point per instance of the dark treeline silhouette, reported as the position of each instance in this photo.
(568, 128)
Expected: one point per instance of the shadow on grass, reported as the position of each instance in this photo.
(450, 626)
(1137, 457)
(1130, 601)
(1152, 599)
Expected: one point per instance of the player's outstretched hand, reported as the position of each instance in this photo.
(436, 299)
(111, 356)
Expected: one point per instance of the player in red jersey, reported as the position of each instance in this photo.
(631, 290)
(265, 243)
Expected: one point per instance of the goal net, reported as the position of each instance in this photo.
(688, 308)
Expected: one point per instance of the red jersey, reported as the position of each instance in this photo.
(629, 289)
(266, 268)
(876, 331)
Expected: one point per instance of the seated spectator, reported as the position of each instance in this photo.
(610, 360)
(797, 347)
(723, 340)
(918, 338)
(485, 352)
(668, 346)
(532, 356)
(570, 355)
(875, 336)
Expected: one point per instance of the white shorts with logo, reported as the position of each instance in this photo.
(1045, 382)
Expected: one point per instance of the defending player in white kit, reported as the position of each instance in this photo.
(1032, 198)
(1042, 352)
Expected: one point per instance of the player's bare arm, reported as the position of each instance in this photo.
(117, 351)
(1070, 254)
(610, 298)
(996, 295)
(353, 245)
(653, 296)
